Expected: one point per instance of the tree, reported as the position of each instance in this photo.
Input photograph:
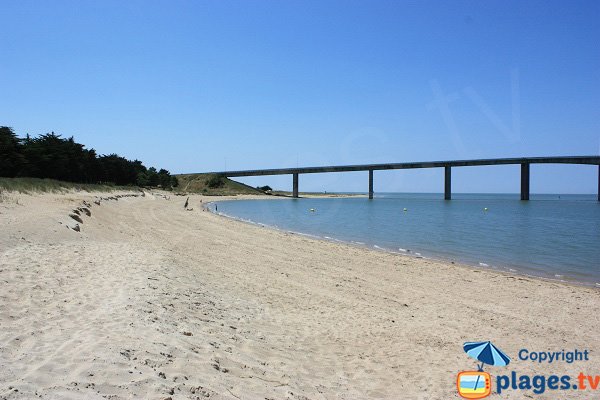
(161, 178)
(164, 178)
(118, 170)
(153, 179)
(11, 159)
(51, 156)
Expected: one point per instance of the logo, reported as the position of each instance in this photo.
(474, 384)
(478, 384)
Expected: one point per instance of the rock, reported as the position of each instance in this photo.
(188, 333)
(76, 228)
(76, 218)
(86, 211)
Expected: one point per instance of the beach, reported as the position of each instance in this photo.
(150, 300)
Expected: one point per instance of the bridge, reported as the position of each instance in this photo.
(525, 162)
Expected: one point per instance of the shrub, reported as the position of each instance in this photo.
(215, 181)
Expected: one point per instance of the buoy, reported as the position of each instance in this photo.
(405, 209)
(485, 208)
(312, 210)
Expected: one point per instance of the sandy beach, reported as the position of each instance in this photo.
(152, 301)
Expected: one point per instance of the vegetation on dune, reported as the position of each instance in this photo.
(213, 185)
(265, 188)
(215, 181)
(29, 185)
(50, 156)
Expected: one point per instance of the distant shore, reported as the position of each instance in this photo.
(152, 300)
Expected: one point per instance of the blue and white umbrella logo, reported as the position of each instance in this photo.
(487, 353)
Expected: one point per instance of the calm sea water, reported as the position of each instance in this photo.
(551, 236)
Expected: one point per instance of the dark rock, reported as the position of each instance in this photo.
(76, 218)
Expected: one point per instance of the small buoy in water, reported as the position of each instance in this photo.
(485, 208)
(405, 209)
(312, 210)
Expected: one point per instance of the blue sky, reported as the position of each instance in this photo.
(196, 86)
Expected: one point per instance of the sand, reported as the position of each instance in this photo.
(150, 301)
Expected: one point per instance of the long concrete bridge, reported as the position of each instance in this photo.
(525, 162)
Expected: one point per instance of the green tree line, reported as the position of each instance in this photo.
(54, 157)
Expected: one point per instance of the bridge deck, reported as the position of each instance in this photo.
(589, 160)
(525, 162)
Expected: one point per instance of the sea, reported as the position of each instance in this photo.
(551, 236)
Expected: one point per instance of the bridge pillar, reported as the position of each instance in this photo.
(295, 186)
(370, 184)
(525, 181)
(447, 183)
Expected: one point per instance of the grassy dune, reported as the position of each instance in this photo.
(37, 185)
(199, 183)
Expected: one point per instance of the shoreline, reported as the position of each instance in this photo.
(459, 263)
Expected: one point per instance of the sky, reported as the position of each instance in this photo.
(197, 86)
